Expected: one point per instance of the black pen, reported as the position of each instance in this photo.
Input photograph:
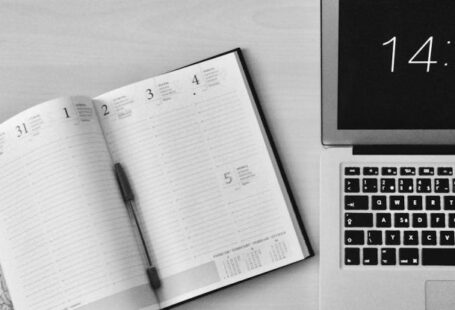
(128, 198)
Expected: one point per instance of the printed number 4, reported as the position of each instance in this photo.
(428, 62)
(195, 80)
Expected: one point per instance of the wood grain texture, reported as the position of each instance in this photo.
(52, 48)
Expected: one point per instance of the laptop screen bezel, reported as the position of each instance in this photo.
(331, 135)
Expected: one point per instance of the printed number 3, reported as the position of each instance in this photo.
(149, 94)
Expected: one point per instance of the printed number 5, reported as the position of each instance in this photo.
(227, 178)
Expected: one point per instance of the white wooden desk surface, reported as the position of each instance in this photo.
(52, 48)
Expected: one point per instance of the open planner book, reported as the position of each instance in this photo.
(213, 201)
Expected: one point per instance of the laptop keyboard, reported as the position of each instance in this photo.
(396, 215)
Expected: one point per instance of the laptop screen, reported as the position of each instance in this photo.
(396, 66)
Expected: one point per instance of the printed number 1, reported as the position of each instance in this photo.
(66, 113)
(394, 41)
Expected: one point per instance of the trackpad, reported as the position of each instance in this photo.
(439, 295)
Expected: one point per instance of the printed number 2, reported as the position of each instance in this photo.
(195, 80)
(104, 107)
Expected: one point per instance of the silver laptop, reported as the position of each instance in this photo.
(388, 167)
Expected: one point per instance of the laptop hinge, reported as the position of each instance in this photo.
(397, 149)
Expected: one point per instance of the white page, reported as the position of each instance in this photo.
(206, 185)
(65, 237)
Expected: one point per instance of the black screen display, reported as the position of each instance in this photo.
(396, 65)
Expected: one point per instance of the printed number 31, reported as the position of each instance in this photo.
(21, 129)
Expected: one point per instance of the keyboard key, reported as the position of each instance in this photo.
(428, 237)
(415, 203)
(358, 220)
(370, 171)
(383, 220)
(433, 203)
(426, 171)
(441, 185)
(438, 256)
(354, 237)
(374, 237)
(352, 256)
(405, 185)
(407, 171)
(411, 237)
(409, 256)
(451, 220)
(446, 237)
(437, 220)
(445, 171)
(449, 202)
(351, 185)
(370, 256)
(423, 185)
(401, 219)
(388, 256)
(370, 185)
(356, 202)
(419, 220)
(388, 185)
(352, 171)
(453, 185)
(396, 203)
(389, 171)
(392, 237)
(379, 202)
